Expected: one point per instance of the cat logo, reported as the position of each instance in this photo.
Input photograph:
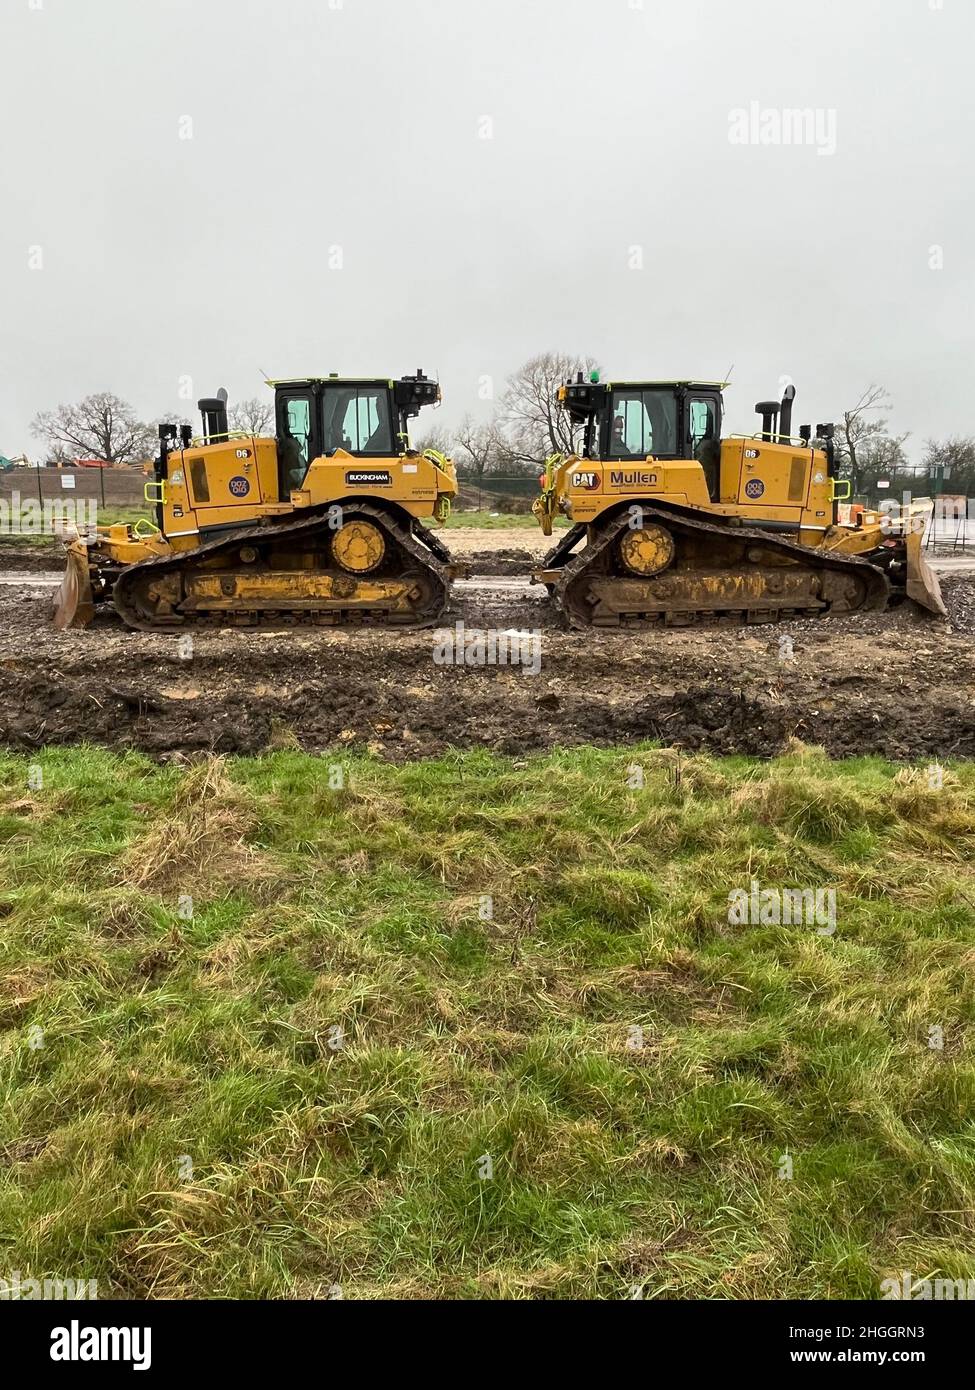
(587, 480)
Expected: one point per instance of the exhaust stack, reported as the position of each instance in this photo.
(785, 415)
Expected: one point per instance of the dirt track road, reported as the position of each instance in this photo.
(898, 684)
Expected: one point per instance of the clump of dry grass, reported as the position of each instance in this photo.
(199, 842)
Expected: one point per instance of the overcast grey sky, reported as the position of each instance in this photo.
(206, 189)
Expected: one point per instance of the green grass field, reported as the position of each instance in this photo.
(302, 1081)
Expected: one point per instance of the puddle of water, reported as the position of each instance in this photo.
(45, 581)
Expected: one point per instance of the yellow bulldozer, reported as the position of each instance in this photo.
(672, 524)
(324, 523)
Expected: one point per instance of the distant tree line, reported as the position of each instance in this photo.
(106, 428)
(524, 428)
(867, 453)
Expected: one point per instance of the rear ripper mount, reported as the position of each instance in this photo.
(678, 571)
(384, 570)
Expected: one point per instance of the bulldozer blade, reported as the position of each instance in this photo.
(922, 582)
(74, 604)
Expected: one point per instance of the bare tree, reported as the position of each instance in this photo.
(102, 426)
(58, 456)
(481, 448)
(950, 463)
(436, 439)
(252, 416)
(534, 425)
(863, 444)
(883, 457)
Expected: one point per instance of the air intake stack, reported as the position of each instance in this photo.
(769, 411)
(216, 427)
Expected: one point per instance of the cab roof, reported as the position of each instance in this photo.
(692, 384)
(331, 381)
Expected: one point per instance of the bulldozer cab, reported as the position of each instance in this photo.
(636, 419)
(320, 417)
(224, 478)
(669, 420)
(643, 419)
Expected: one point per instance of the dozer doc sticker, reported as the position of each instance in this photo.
(754, 487)
(239, 486)
(372, 477)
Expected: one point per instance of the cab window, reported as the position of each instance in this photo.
(294, 441)
(642, 423)
(298, 426)
(701, 422)
(357, 421)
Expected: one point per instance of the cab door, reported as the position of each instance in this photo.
(702, 420)
(702, 436)
(297, 437)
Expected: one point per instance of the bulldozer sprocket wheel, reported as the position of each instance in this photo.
(358, 546)
(646, 550)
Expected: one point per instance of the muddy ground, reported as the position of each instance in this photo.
(898, 684)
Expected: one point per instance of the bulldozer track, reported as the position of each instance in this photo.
(591, 592)
(430, 574)
(432, 541)
(565, 547)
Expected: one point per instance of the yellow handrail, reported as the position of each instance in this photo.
(200, 441)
